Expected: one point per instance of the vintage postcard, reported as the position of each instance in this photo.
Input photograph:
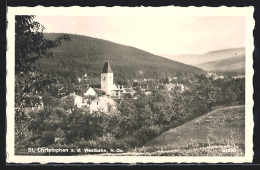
(129, 85)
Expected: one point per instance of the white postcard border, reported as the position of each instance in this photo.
(129, 11)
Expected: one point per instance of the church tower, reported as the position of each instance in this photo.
(107, 79)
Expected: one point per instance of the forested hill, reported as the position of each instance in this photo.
(87, 55)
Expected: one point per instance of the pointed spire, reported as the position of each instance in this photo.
(107, 68)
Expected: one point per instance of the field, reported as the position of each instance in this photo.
(218, 133)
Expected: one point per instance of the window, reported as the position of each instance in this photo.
(110, 77)
(104, 77)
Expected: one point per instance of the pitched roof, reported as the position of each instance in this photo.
(107, 68)
(105, 100)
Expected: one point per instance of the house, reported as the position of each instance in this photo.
(80, 101)
(172, 86)
(90, 92)
(169, 86)
(118, 90)
(144, 87)
(147, 93)
(85, 77)
(214, 76)
(239, 77)
(103, 104)
(72, 94)
(117, 93)
(79, 79)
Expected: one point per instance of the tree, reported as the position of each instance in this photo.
(161, 106)
(166, 81)
(30, 46)
(205, 93)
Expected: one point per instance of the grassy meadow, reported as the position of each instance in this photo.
(218, 133)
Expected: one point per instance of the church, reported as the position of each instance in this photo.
(106, 102)
(107, 82)
(107, 79)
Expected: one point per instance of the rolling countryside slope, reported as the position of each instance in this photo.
(87, 55)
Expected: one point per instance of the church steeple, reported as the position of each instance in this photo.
(107, 79)
(107, 68)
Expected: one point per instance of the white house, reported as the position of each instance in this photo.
(118, 90)
(80, 101)
(90, 92)
(172, 86)
(79, 79)
(103, 104)
(239, 77)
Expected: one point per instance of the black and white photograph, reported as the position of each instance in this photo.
(152, 84)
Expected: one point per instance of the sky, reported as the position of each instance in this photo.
(171, 35)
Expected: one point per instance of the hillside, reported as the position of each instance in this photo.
(218, 133)
(194, 60)
(222, 126)
(87, 55)
(231, 64)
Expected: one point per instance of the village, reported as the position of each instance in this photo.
(109, 96)
(111, 103)
(104, 99)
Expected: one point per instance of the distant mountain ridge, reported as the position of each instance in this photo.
(233, 63)
(220, 60)
(87, 55)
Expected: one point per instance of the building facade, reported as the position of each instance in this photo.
(103, 104)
